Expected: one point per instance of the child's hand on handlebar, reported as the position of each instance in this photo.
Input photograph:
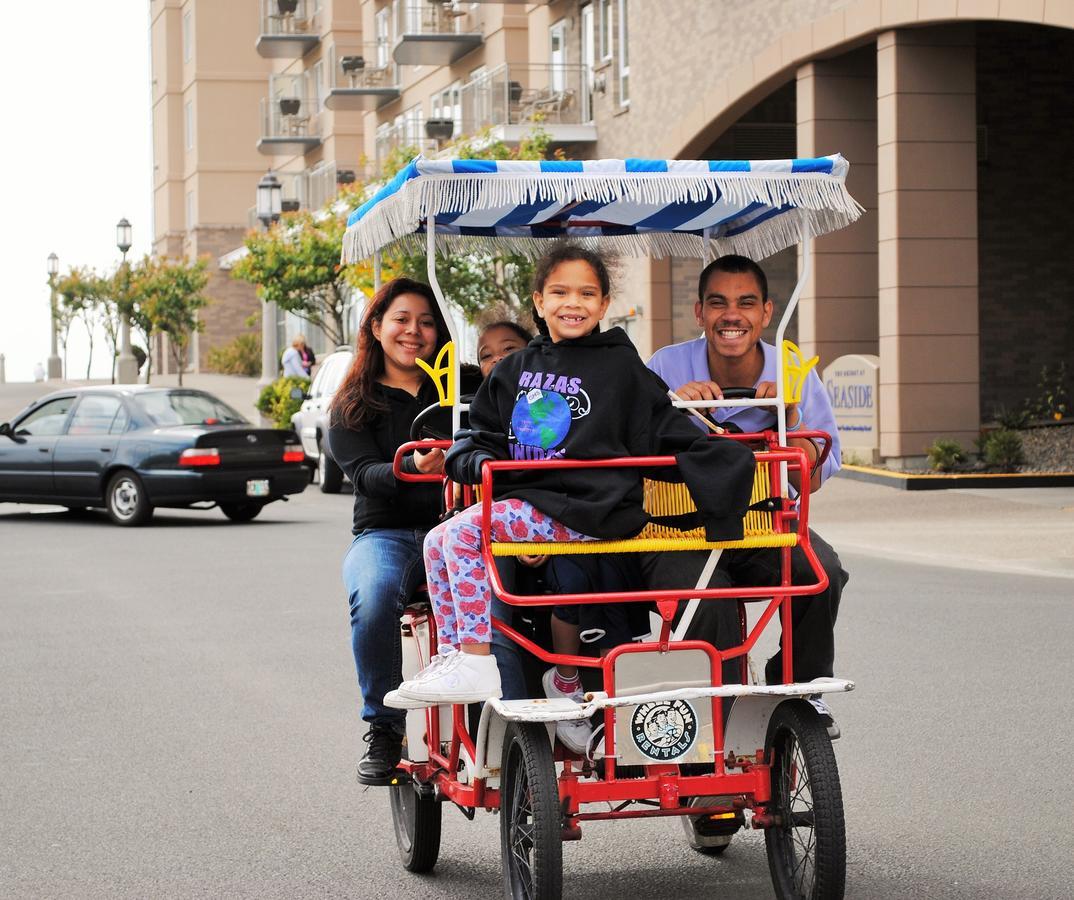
(431, 462)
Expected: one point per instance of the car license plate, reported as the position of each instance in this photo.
(257, 487)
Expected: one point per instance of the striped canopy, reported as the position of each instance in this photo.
(640, 206)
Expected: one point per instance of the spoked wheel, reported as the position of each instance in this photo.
(417, 820)
(807, 846)
(531, 826)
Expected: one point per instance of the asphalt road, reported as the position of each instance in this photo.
(178, 719)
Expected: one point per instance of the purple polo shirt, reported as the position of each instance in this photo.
(688, 361)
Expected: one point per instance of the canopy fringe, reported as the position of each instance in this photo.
(823, 198)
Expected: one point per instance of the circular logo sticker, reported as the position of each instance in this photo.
(664, 729)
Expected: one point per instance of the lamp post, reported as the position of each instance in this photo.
(55, 367)
(126, 365)
(269, 204)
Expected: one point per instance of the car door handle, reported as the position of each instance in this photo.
(106, 449)
(42, 449)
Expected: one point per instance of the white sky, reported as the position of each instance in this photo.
(76, 153)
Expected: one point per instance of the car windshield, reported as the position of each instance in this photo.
(185, 408)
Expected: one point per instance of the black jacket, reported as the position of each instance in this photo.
(593, 398)
(366, 457)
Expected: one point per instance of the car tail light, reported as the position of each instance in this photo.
(200, 456)
(293, 454)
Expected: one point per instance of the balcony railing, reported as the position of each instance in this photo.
(363, 76)
(514, 100)
(289, 124)
(435, 32)
(289, 28)
(405, 135)
(311, 189)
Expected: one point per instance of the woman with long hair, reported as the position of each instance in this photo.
(370, 418)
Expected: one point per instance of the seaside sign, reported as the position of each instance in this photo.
(852, 383)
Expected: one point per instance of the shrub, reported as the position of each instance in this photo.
(1051, 401)
(1003, 450)
(276, 403)
(241, 357)
(1011, 419)
(945, 454)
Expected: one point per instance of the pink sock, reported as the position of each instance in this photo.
(565, 685)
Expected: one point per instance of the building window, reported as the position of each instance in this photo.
(557, 54)
(188, 36)
(624, 56)
(383, 34)
(413, 126)
(188, 124)
(604, 28)
(189, 209)
(316, 76)
(447, 105)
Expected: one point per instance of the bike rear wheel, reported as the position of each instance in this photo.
(417, 819)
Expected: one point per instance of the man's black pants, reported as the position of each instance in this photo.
(813, 617)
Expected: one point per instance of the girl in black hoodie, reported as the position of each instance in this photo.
(578, 393)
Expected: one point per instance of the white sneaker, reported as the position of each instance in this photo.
(574, 733)
(443, 655)
(460, 678)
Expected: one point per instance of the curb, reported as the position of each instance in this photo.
(905, 482)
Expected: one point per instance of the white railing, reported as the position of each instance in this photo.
(289, 17)
(366, 65)
(523, 95)
(435, 17)
(409, 135)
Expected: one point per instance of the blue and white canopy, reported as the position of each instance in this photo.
(654, 206)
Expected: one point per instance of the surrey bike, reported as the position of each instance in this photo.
(676, 740)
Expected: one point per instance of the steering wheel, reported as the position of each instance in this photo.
(435, 421)
(739, 393)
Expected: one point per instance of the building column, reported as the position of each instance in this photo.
(837, 312)
(927, 232)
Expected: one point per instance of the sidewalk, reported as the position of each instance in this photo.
(1014, 530)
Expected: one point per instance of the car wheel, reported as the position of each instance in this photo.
(126, 500)
(241, 512)
(328, 473)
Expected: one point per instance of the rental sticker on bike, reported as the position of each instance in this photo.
(664, 729)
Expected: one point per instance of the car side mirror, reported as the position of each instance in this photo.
(7, 431)
(298, 394)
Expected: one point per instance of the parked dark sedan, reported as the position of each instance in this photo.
(131, 448)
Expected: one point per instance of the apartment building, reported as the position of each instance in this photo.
(939, 104)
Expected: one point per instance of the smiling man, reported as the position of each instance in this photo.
(732, 309)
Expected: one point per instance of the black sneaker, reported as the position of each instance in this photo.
(826, 717)
(382, 755)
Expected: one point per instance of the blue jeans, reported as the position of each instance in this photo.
(381, 570)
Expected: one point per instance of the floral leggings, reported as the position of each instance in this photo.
(458, 582)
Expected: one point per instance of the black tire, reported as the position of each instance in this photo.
(531, 824)
(417, 826)
(328, 473)
(126, 500)
(807, 846)
(242, 512)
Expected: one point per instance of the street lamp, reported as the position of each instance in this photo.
(55, 368)
(126, 365)
(269, 205)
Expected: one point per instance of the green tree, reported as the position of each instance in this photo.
(85, 295)
(484, 285)
(168, 293)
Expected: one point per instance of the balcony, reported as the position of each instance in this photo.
(408, 136)
(435, 32)
(289, 28)
(511, 101)
(363, 77)
(311, 189)
(290, 117)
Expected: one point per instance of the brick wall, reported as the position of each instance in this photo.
(1025, 113)
(231, 302)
